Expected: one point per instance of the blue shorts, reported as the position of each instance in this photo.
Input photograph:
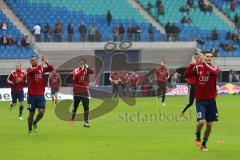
(36, 101)
(17, 95)
(207, 110)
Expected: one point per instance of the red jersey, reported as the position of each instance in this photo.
(191, 80)
(124, 77)
(161, 74)
(114, 77)
(35, 79)
(134, 79)
(81, 80)
(17, 79)
(206, 80)
(54, 81)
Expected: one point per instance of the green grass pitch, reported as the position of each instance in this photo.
(125, 133)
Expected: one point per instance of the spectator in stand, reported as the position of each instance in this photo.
(37, 32)
(185, 9)
(233, 5)
(69, 31)
(82, 31)
(151, 33)
(115, 33)
(58, 29)
(4, 25)
(187, 20)
(175, 31)
(168, 31)
(149, 7)
(121, 32)
(98, 35)
(91, 33)
(190, 3)
(10, 40)
(158, 3)
(4, 40)
(18, 42)
(161, 10)
(129, 33)
(210, 8)
(25, 42)
(109, 17)
(138, 33)
(47, 33)
(236, 19)
(214, 34)
(201, 4)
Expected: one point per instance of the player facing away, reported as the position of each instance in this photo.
(191, 83)
(54, 82)
(205, 93)
(80, 90)
(134, 80)
(17, 79)
(124, 81)
(161, 77)
(36, 89)
(114, 78)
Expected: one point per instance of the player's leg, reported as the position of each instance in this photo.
(39, 116)
(30, 121)
(163, 92)
(31, 108)
(211, 116)
(52, 95)
(85, 102)
(123, 89)
(206, 135)
(201, 120)
(191, 98)
(76, 101)
(40, 104)
(14, 101)
(56, 97)
(21, 107)
(158, 90)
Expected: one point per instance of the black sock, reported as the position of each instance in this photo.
(30, 128)
(73, 116)
(163, 98)
(39, 116)
(198, 136)
(204, 142)
(20, 111)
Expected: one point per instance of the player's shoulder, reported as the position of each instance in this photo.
(13, 71)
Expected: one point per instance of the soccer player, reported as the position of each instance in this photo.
(191, 82)
(134, 80)
(54, 82)
(17, 79)
(124, 81)
(114, 78)
(205, 93)
(36, 89)
(161, 77)
(80, 90)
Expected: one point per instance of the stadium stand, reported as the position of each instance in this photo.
(227, 7)
(200, 23)
(93, 12)
(11, 41)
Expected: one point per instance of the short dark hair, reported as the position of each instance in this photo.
(32, 57)
(82, 59)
